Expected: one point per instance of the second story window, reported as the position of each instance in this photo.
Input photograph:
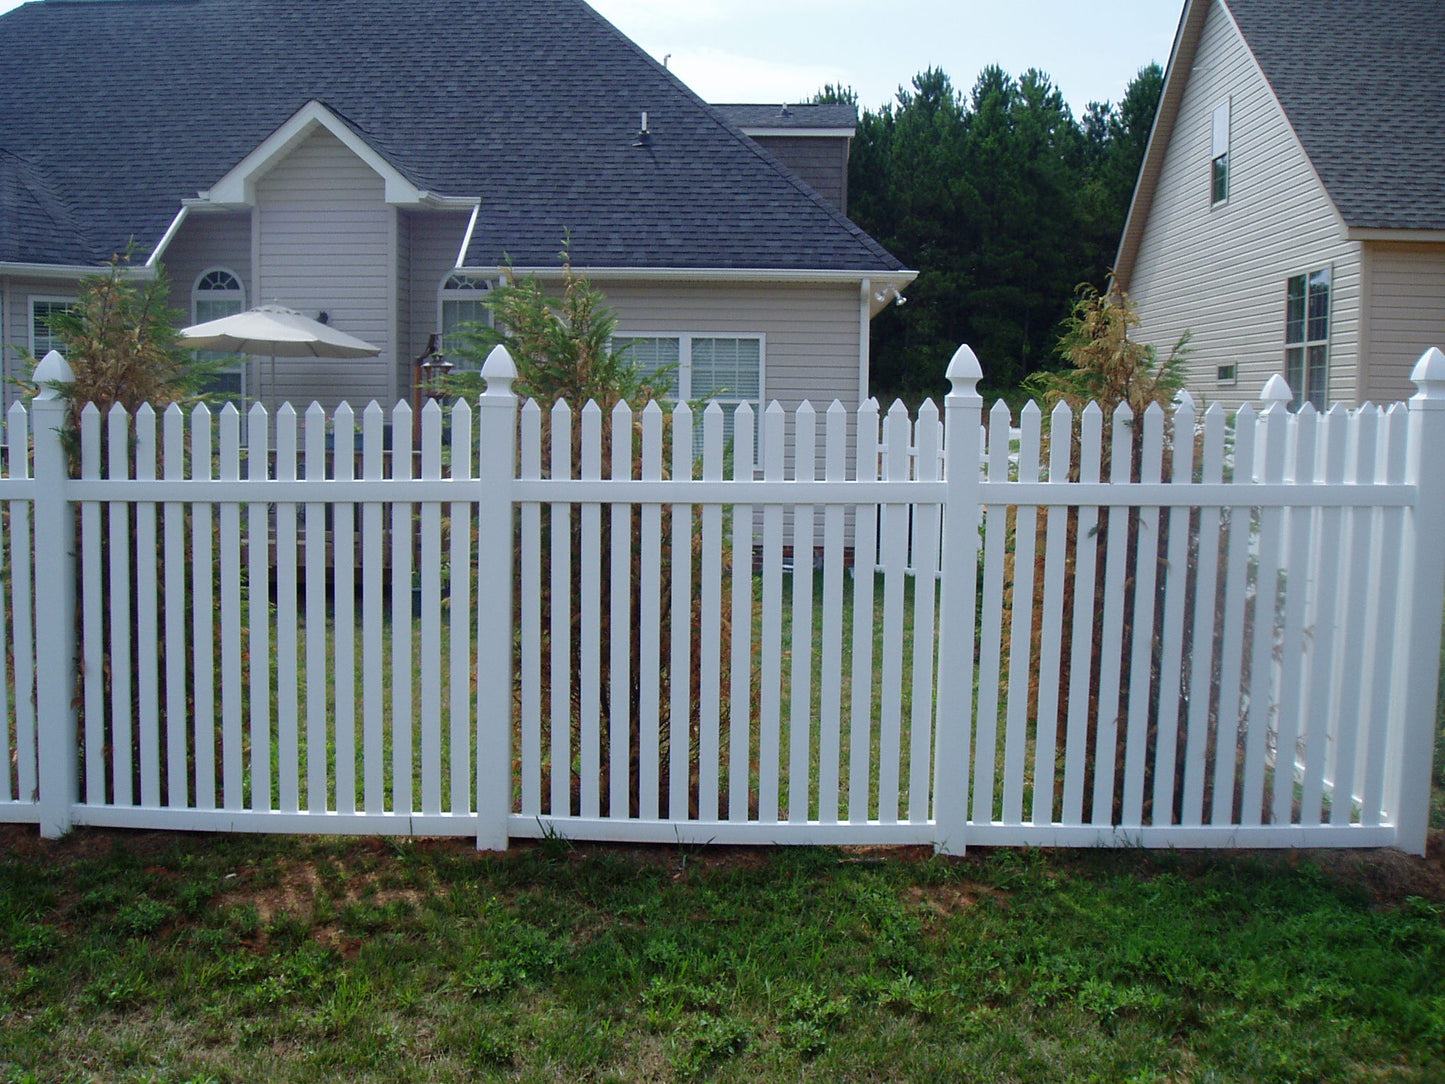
(1219, 155)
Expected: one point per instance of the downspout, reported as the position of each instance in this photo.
(167, 237)
(865, 299)
(467, 238)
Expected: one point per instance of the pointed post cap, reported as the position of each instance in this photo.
(499, 370)
(1429, 375)
(52, 370)
(964, 371)
(1276, 390)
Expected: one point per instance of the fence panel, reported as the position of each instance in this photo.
(1228, 642)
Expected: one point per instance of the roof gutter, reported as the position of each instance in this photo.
(889, 284)
(62, 272)
(1381, 233)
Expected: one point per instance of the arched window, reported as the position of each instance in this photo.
(463, 301)
(219, 293)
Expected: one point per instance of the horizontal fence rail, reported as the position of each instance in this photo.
(1177, 629)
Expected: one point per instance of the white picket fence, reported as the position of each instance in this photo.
(535, 622)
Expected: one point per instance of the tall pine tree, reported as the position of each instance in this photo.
(1003, 203)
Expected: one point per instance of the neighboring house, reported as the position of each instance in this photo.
(1290, 212)
(380, 162)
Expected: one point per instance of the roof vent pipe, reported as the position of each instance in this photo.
(644, 137)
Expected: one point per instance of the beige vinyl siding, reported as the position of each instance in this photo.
(401, 223)
(205, 241)
(324, 237)
(436, 238)
(1219, 272)
(1407, 315)
(811, 332)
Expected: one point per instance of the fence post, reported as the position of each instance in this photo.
(497, 421)
(963, 417)
(1423, 594)
(55, 640)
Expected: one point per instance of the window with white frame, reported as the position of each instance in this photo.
(723, 369)
(219, 293)
(1219, 154)
(42, 338)
(463, 301)
(1307, 337)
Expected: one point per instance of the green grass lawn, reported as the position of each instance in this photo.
(169, 958)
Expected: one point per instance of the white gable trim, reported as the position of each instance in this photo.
(238, 187)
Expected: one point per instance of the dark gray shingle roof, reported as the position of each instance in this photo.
(125, 107)
(784, 117)
(1363, 84)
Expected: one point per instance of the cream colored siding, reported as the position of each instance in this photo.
(207, 241)
(15, 295)
(325, 240)
(436, 238)
(811, 332)
(402, 311)
(1219, 272)
(1407, 315)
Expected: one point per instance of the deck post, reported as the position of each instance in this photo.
(953, 730)
(55, 639)
(1423, 595)
(497, 422)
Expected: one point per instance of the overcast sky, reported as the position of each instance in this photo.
(785, 50)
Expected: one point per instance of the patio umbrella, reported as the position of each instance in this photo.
(278, 332)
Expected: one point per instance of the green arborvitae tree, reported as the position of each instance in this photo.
(564, 347)
(122, 345)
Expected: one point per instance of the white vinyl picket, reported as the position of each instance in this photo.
(830, 649)
(148, 708)
(741, 624)
(800, 716)
(1091, 430)
(927, 531)
(619, 621)
(373, 544)
(865, 534)
(1061, 434)
(259, 563)
(710, 588)
(1021, 620)
(343, 616)
(459, 617)
(1201, 659)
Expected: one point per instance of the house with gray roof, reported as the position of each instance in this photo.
(381, 162)
(1290, 211)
